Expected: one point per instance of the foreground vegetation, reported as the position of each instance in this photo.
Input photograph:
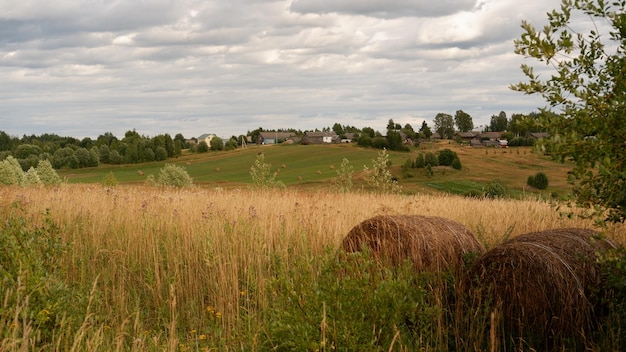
(146, 268)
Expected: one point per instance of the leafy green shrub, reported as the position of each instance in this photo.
(151, 181)
(613, 296)
(420, 163)
(109, 180)
(431, 159)
(202, 147)
(174, 176)
(31, 178)
(217, 143)
(262, 175)
(380, 143)
(538, 181)
(456, 164)
(446, 157)
(343, 181)
(30, 279)
(379, 177)
(494, 189)
(11, 172)
(352, 304)
(365, 141)
(47, 174)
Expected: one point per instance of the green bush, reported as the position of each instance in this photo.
(262, 175)
(365, 141)
(11, 172)
(538, 181)
(343, 181)
(446, 157)
(431, 159)
(31, 178)
(351, 303)
(174, 176)
(47, 174)
(494, 189)
(456, 164)
(31, 282)
(109, 180)
(420, 163)
(217, 143)
(613, 297)
(202, 147)
(379, 176)
(380, 143)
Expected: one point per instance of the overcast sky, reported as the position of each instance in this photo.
(81, 68)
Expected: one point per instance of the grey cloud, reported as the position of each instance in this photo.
(384, 9)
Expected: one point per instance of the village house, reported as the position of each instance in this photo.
(320, 137)
(466, 136)
(275, 137)
(207, 137)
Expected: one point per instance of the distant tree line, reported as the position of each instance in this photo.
(68, 152)
(133, 148)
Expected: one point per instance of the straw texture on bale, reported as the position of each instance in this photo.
(430, 243)
(541, 282)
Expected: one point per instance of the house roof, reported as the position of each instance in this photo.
(321, 134)
(467, 134)
(277, 135)
(491, 135)
(206, 135)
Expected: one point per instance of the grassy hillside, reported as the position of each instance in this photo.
(314, 166)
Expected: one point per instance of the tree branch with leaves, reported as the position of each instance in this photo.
(583, 49)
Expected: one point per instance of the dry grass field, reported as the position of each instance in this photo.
(197, 260)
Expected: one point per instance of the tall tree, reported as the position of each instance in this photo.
(409, 131)
(587, 84)
(498, 122)
(338, 129)
(463, 121)
(444, 125)
(425, 130)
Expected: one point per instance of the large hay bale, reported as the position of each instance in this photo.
(430, 243)
(541, 283)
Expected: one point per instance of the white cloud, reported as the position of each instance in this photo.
(85, 67)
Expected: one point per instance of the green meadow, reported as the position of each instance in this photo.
(314, 167)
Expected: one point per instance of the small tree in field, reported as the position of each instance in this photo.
(262, 175)
(11, 172)
(31, 178)
(538, 181)
(379, 177)
(47, 174)
(217, 143)
(343, 181)
(174, 176)
(109, 180)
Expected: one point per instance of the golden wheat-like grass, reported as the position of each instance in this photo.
(431, 243)
(204, 248)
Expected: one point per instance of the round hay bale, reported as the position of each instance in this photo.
(541, 282)
(430, 243)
